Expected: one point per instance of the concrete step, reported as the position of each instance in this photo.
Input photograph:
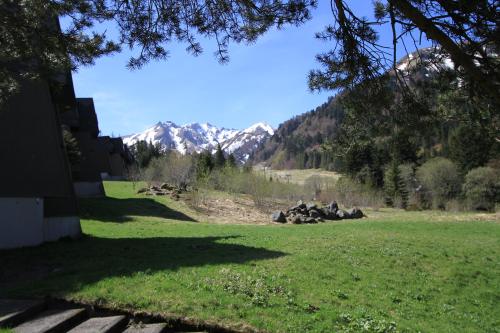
(102, 325)
(146, 328)
(13, 312)
(52, 321)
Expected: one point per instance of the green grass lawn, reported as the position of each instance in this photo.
(411, 272)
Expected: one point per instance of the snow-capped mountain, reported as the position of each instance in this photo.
(197, 137)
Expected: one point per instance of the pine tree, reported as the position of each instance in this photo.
(394, 186)
(470, 146)
(204, 164)
(220, 160)
(231, 161)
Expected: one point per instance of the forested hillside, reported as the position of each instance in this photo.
(423, 111)
(299, 142)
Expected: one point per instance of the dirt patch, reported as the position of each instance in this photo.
(225, 209)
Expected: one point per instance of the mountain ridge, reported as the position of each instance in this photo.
(197, 137)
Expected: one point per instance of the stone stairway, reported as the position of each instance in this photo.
(40, 316)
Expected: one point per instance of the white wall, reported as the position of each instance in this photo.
(22, 224)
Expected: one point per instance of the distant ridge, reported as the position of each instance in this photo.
(196, 137)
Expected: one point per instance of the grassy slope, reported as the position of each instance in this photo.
(422, 275)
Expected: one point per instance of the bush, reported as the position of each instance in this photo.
(482, 188)
(440, 180)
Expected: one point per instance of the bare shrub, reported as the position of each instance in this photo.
(198, 198)
(134, 174)
(351, 193)
(263, 191)
(179, 170)
(316, 184)
(174, 168)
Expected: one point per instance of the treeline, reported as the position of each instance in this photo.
(152, 162)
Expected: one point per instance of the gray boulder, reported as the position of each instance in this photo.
(314, 213)
(310, 220)
(297, 219)
(301, 204)
(333, 206)
(279, 217)
(355, 213)
(342, 214)
(328, 214)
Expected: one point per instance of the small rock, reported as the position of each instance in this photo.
(279, 217)
(143, 190)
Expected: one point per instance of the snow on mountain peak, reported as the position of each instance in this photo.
(263, 126)
(196, 137)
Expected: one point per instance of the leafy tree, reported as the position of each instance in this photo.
(482, 188)
(440, 179)
(220, 159)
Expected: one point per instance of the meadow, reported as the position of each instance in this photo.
(394, 271)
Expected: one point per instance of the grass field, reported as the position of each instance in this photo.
(392, 272)
(299, 176)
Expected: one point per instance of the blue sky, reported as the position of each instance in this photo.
(265, 81)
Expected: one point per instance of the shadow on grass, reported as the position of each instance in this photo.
(68, 266)
(109, 209)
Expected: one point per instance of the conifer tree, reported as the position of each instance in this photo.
(231, 161)
(219, 160)
(204, 164)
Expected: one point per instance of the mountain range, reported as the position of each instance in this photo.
(196, 137)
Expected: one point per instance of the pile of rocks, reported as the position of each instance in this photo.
(164, 189)
(311, 213)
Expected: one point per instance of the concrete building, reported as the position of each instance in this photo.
(100, 157)
(119, 157)
(37, 198)
(84, 127)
